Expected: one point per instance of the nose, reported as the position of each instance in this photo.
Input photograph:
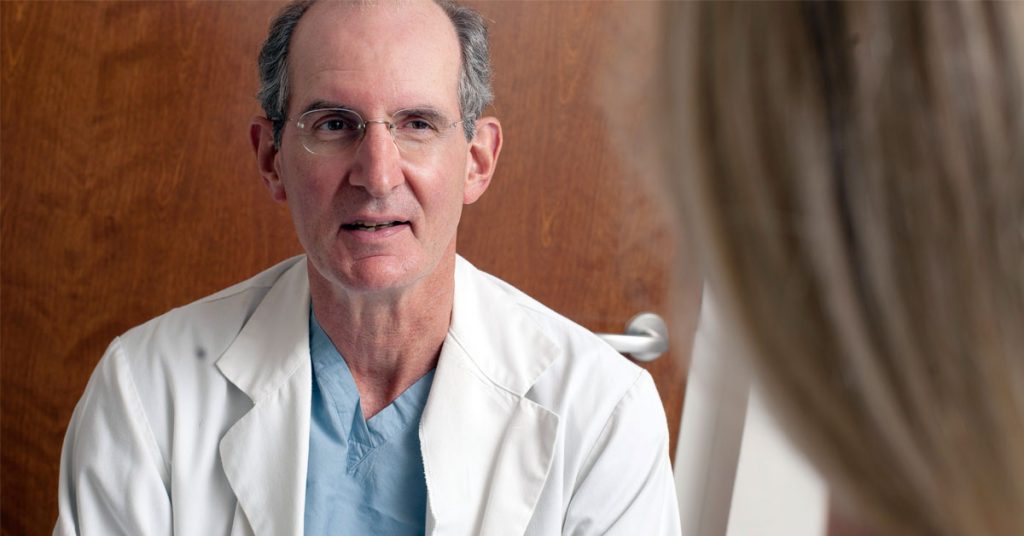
(376, 167)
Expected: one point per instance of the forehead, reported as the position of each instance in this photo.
(377, 57)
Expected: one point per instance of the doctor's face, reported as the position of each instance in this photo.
(375, 213)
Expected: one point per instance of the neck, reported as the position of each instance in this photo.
(389, 339)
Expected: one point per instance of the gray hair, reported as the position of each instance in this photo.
(475, 91)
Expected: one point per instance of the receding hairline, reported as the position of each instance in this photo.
(366, 6)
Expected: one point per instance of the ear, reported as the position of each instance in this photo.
(261, 135)
(484, 149)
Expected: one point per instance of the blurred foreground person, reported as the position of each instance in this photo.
(853, 175)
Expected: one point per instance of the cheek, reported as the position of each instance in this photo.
(308, 180)
(438, 184)
(309, 193)
(449, 197)
(457, 170)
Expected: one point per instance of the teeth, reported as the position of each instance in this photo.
(373, 226)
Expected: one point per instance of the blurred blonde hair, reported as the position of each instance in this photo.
(854, 176)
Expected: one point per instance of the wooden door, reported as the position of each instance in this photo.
(128, 188)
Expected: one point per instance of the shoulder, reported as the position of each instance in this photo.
(205, 327)
(612, 426)
(587, 379)
(175, 354)
(164, 371)
(581, 352)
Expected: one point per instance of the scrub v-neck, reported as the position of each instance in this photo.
(363, 477)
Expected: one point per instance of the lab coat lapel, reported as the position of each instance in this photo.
(264, 454)
(487, 449)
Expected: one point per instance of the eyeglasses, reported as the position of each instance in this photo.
(337, 131)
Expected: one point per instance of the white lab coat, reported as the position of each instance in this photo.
(197, 422)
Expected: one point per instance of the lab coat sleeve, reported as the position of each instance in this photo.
(113, 478)
(626, 486)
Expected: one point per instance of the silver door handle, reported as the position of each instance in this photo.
(646, 338)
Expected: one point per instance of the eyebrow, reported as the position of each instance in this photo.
(321, 104)
(424, 111)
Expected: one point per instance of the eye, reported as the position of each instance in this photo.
(417, 123)
(336, 122)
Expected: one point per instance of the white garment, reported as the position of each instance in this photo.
(197, 422)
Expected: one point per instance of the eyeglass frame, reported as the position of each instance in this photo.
(363, 124)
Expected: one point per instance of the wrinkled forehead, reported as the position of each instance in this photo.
(381, 54)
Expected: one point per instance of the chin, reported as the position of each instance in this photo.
(378, 274)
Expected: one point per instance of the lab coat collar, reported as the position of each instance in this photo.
(274, 342)
(487, 449)
(505, 344)
(486, 467)
(264, 453)
(489, 323)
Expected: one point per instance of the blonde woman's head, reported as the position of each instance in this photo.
(854, 175)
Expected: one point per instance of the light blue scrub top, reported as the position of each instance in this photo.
(364, 477)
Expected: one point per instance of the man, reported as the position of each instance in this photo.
(380, 383)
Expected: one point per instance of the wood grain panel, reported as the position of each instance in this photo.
(127, 188)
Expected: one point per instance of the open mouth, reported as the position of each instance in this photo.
(367, 226)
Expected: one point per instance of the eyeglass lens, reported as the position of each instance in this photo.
(335, 131)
